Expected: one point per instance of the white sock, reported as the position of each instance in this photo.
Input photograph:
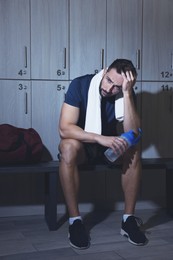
(71, 220)
(125, 216)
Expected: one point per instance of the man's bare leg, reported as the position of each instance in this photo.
(72, 152)
(131, 177)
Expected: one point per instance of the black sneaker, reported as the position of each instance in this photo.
(78, 236)
(130, 229)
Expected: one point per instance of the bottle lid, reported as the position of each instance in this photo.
(131, 137)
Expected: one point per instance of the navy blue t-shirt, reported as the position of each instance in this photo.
(77, 95)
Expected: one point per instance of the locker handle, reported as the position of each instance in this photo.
(65, 58)
(138, 59)
(102, 58)
(26, 103)
(26, 58)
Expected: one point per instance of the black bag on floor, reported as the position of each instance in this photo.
(19, 145)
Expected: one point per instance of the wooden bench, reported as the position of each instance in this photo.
(50, 171)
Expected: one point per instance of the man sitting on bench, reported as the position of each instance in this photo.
(93, 106)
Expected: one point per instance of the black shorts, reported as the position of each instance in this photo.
(95, 153)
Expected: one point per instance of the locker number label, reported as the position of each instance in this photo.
(166, 74)
(166, 87)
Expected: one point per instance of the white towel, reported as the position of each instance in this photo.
(93, 113)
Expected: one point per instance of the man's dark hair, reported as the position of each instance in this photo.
(123, 65)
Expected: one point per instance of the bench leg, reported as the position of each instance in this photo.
(51, 182)
(169, 191)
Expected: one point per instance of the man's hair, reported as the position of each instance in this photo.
(123, 65)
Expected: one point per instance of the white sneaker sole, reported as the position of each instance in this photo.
(124, 233)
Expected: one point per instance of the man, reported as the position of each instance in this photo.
(93, 106)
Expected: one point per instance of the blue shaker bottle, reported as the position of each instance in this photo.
(131, 139)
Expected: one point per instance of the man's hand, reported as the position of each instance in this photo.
(118, 145)
(128, 81)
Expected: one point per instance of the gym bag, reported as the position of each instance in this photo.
(19, 145)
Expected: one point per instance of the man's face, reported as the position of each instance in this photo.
(111, 83)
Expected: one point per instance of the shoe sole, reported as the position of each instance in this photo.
(123, 233)
(77, 247)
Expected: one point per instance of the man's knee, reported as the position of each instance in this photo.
(132, 158)
(69, 150)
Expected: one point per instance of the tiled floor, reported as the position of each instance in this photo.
(28, 238)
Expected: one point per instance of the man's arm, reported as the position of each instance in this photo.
(68, 125)
(69, 130)
(131, 117)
